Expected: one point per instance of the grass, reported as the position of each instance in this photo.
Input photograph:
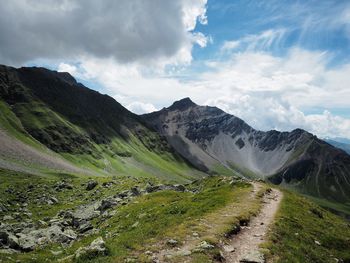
(135, 227)
(216, 225)
(342, 209)
(299, 225)
(118, 156)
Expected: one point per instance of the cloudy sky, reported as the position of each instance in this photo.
(277, 64)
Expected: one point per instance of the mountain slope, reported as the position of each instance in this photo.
(44, 108)
(212, 139)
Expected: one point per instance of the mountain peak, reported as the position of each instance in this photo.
(182, 104)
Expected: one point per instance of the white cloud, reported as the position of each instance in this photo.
(128, 31)
(268, 92)
(140, 107)
(257, 42)
(269, 113)
(230, 45)
(71, 69)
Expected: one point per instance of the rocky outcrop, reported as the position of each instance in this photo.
(70, 225)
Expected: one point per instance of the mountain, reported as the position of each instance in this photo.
(217, 142)
(82, 179)
(50, 121)
(340, 145)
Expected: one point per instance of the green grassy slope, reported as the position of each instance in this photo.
(47, 108)
(134, 228)
(304, 232)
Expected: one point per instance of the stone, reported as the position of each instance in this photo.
(3, 238)
(152, 188)
(107, 184)
(106, 204)
(70, 234)
(204, 245)
(179, 188)
(135, 191)
(56, 253)
(91, 185)
(3, 208)
(195, 234)
(253, 257)
(96, 248)
(13, 242)
(62, 185)
(7, 217)
(86, 212)
(85, 227)
(172, 242)
(123, 194)
(317, 243)
(26, 242)
(52, 200)
(135, 224)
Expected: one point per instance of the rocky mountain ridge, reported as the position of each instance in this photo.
(210, 138)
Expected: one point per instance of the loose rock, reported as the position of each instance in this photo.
(91, 185)
(96, 248)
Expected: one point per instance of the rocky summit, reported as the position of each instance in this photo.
(213, 140)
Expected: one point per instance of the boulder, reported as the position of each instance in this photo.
(62, 185)
(3, 238)
(253, 257)
(153, 188)
(135, 191)
(106, 204)
(179, 188)
(172, 242)
(91, 185)
(27, 242)
(13, 242)
(8, 240)
(107, 184)
(96, 248)
(7, 217)
(3, 208)
(86, 226)
(204, 245)
(52, 200)
(123, 194)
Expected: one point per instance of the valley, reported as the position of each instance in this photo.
(82, 179)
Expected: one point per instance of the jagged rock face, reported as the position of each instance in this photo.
(217, 137)
(208, 137)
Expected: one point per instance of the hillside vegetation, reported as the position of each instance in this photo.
(92, 131)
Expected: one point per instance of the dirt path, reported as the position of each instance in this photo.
(211, 225)
(244, 247)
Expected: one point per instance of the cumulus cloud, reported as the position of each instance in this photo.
(270, 113)
(267, 91)
(64, 67)
(141, 107)
(126, 30)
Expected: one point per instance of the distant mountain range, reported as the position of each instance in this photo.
(341, 145)
(48, 121)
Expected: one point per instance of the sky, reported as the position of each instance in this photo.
(276, 64)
